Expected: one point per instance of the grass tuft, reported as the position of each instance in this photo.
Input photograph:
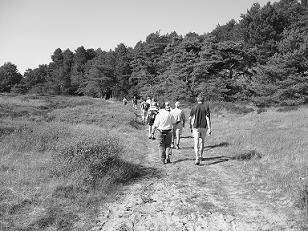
(248, 155)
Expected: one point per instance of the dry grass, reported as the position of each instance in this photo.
(60, 157)
(272, 148)
(57, 165)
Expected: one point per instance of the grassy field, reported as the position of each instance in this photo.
(62, 157)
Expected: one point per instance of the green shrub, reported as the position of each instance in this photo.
(230, 107)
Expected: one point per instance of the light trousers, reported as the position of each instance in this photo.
(199, 135)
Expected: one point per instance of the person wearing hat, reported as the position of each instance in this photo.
(153, 111)
(163, 123)
(200, 125)
(179, 124)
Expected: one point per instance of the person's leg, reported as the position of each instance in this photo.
(150, 131)
(202, 140)
(142, 115)
(162, 150)
(196, 144)
(146, 116)
(173, 136)
(178, 136)
(168, 139)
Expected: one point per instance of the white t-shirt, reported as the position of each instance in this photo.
(164, 120)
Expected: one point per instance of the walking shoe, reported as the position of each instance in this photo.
(197, 162)
(177, 146)
(168, 161)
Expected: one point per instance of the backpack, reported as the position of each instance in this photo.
(152, 116)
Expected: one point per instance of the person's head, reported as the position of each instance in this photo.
(154, 104)
(177, 104)
(200, 99)
(167, 106)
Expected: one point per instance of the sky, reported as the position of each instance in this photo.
(32, 29)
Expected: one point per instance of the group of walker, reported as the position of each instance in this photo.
(170, 123)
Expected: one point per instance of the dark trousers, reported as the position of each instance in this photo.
(164, 141)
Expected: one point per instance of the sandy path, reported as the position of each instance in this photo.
(188, 197)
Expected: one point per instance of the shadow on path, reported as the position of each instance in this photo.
(222, 144)
(244, 156)
(181, 160)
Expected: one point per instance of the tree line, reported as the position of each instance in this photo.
(261, 58)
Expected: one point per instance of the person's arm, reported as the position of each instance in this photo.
(191, 118)
(208, 121)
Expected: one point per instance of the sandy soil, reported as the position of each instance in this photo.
(189, 197)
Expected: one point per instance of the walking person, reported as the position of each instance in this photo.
(163, 123)
(180, 120)
(135, 101)
(200, 125)
(153, 111)
(124, 101)
(144, 106)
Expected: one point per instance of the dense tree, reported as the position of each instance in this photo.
(9, 76)
(34, 79)
(260, 58)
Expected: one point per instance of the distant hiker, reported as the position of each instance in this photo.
(153, 100)
(163, 123)
(124, 101)
(180, 120)
(153, 111)
(200, 125)
(135, 101)
(149, 101)
(144, 110)
(108, 93)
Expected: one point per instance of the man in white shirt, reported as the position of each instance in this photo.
(163, 123)
(180, 120)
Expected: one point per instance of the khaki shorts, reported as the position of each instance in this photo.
(199, 132)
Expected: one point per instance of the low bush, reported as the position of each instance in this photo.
(288, 108)
(230, 108)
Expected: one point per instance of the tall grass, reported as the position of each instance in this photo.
(278, 167)
(54, 175)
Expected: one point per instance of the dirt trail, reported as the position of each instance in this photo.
(188, 197)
